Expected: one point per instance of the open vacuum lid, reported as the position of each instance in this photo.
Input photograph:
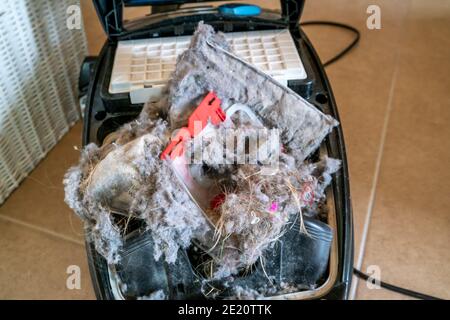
(110, 12)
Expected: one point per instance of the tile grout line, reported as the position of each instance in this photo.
(373, 190)
(362, 248)
(42, 230)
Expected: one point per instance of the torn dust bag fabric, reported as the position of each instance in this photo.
(127, 176)
(125, 179)
(209, 65)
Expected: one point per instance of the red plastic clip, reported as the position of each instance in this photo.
(209, 110)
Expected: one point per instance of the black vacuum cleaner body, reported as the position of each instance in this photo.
(320, 262)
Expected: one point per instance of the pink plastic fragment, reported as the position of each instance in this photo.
(274, 207)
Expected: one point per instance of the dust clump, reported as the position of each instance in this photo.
(125, 179)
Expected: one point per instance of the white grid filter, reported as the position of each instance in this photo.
(40, 59)
(147, 64)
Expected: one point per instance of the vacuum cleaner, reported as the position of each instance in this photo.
(114, 87)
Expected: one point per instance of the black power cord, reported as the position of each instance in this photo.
(358, 273)
(338, 25)
(391, 287)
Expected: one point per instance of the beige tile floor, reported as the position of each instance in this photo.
(393, 96)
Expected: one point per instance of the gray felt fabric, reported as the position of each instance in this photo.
(126, 174)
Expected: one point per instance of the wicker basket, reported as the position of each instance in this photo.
(40, 60)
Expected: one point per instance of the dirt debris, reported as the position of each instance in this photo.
(126, 177)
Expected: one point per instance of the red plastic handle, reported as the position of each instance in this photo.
(209, 110)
